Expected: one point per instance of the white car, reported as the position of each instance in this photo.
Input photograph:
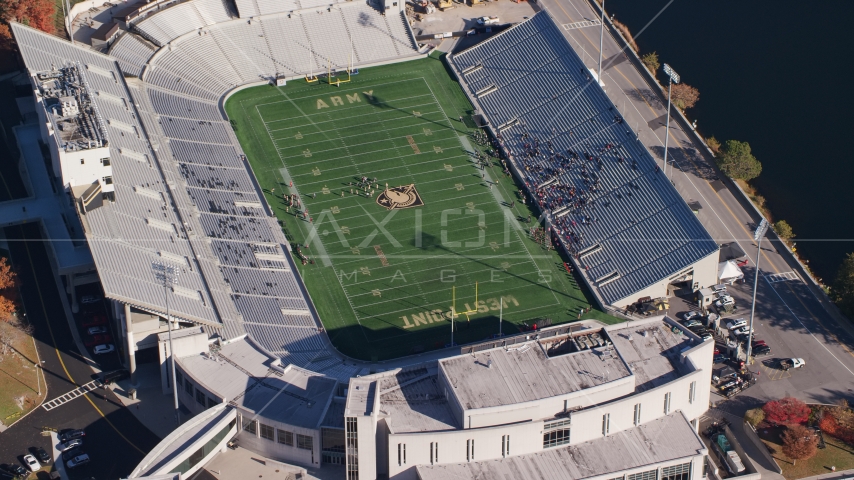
(733, 324)
(89, 299)
(691, 314)
(105, 349)
(488, 20)
(32, 463)
(741, 331)
(97, 330)
(725, 301)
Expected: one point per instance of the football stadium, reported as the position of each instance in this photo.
(346, 242)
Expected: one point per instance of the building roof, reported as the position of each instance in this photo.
(651, 350)
(251, 379)
(633, 229)
(523, 373)
(360, 397)
(413, 402)
(666, 439)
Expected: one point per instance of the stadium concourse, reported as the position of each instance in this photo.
(184, 195)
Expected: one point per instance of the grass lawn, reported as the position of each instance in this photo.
(382, 278)
(18, 377)
(837, 453)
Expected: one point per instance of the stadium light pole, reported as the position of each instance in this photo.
(672, 77)
(601, 38)
(167, 275)
(757, 235)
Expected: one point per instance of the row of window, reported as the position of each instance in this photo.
(351, 434)
(194, 392)
(305, 442)
(674, 472)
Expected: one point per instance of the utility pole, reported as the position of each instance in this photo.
(601, 38)
(167, 275)
(672, 77)
(757, 235)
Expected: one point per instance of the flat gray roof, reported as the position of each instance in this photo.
(666, 439)
(524, 373)
(652, 351)
(416, 404)
(242, 373)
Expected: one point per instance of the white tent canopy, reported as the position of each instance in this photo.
(728, 272)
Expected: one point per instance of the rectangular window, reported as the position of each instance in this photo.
(404, 454)
(637, 414)
(82, 161)
(188, 387)
(555, 438)
(667, 403)
(469, 450)
(267, 432)
(211, 402)
(505, 445)
(351, 434)
(556, 424)
(606, 424)
(677, 472)
(179, 378)
(249, 426)
(200, 397)
(105, 161)
(431, 453)
(108, 180)
(286, 437)
(692, 390)
(398, 454)
(305, 442)
(648, 475)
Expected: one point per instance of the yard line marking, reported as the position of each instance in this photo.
(361, 125)
(67, 397)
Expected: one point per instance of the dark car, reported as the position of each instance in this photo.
(13, 470)
(67, 435)
(95, 320)
(41, 454)
(74, 452)
(761, 351)
(98, 340)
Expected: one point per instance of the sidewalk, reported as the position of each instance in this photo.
(758, 459)
(842, 474)
(151, 407)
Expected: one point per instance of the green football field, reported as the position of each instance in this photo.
(386, 264)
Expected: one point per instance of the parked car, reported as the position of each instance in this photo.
(758, 343)
(94, 320)
(719, 288)
(488, 20)
(98, 339)
(741, 331)
(89, 299)
(691, 323)
(761, 351)
(67, 435)
(41, 454)
(13, 470)
(725, 302)
(97, 330)
(77, 461)
(788, 363)
(69, 444)
(101, 349)
(720, 358)
(691, 314)
(733, 324)
(32, 463)
(74, 452)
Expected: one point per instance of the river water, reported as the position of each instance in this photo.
(778, 75)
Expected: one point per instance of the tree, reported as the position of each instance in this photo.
(799, 442)
(843, 286)
(35, 13)
(7, 276)
(684, 96)
(736, 161)
(786, 411)
(754, 416)
(714, 144)
(783, 230)
(651, 61)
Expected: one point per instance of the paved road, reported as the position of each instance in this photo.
(788, 315)
(115, 439)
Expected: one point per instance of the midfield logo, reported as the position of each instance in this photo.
(400, 197)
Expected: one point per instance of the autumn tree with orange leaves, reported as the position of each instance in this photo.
(34, 13)
(7, 282)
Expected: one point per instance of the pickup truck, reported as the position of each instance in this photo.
(788, 363)
(488, 20)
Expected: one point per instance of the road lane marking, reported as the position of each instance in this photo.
(67, 397)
